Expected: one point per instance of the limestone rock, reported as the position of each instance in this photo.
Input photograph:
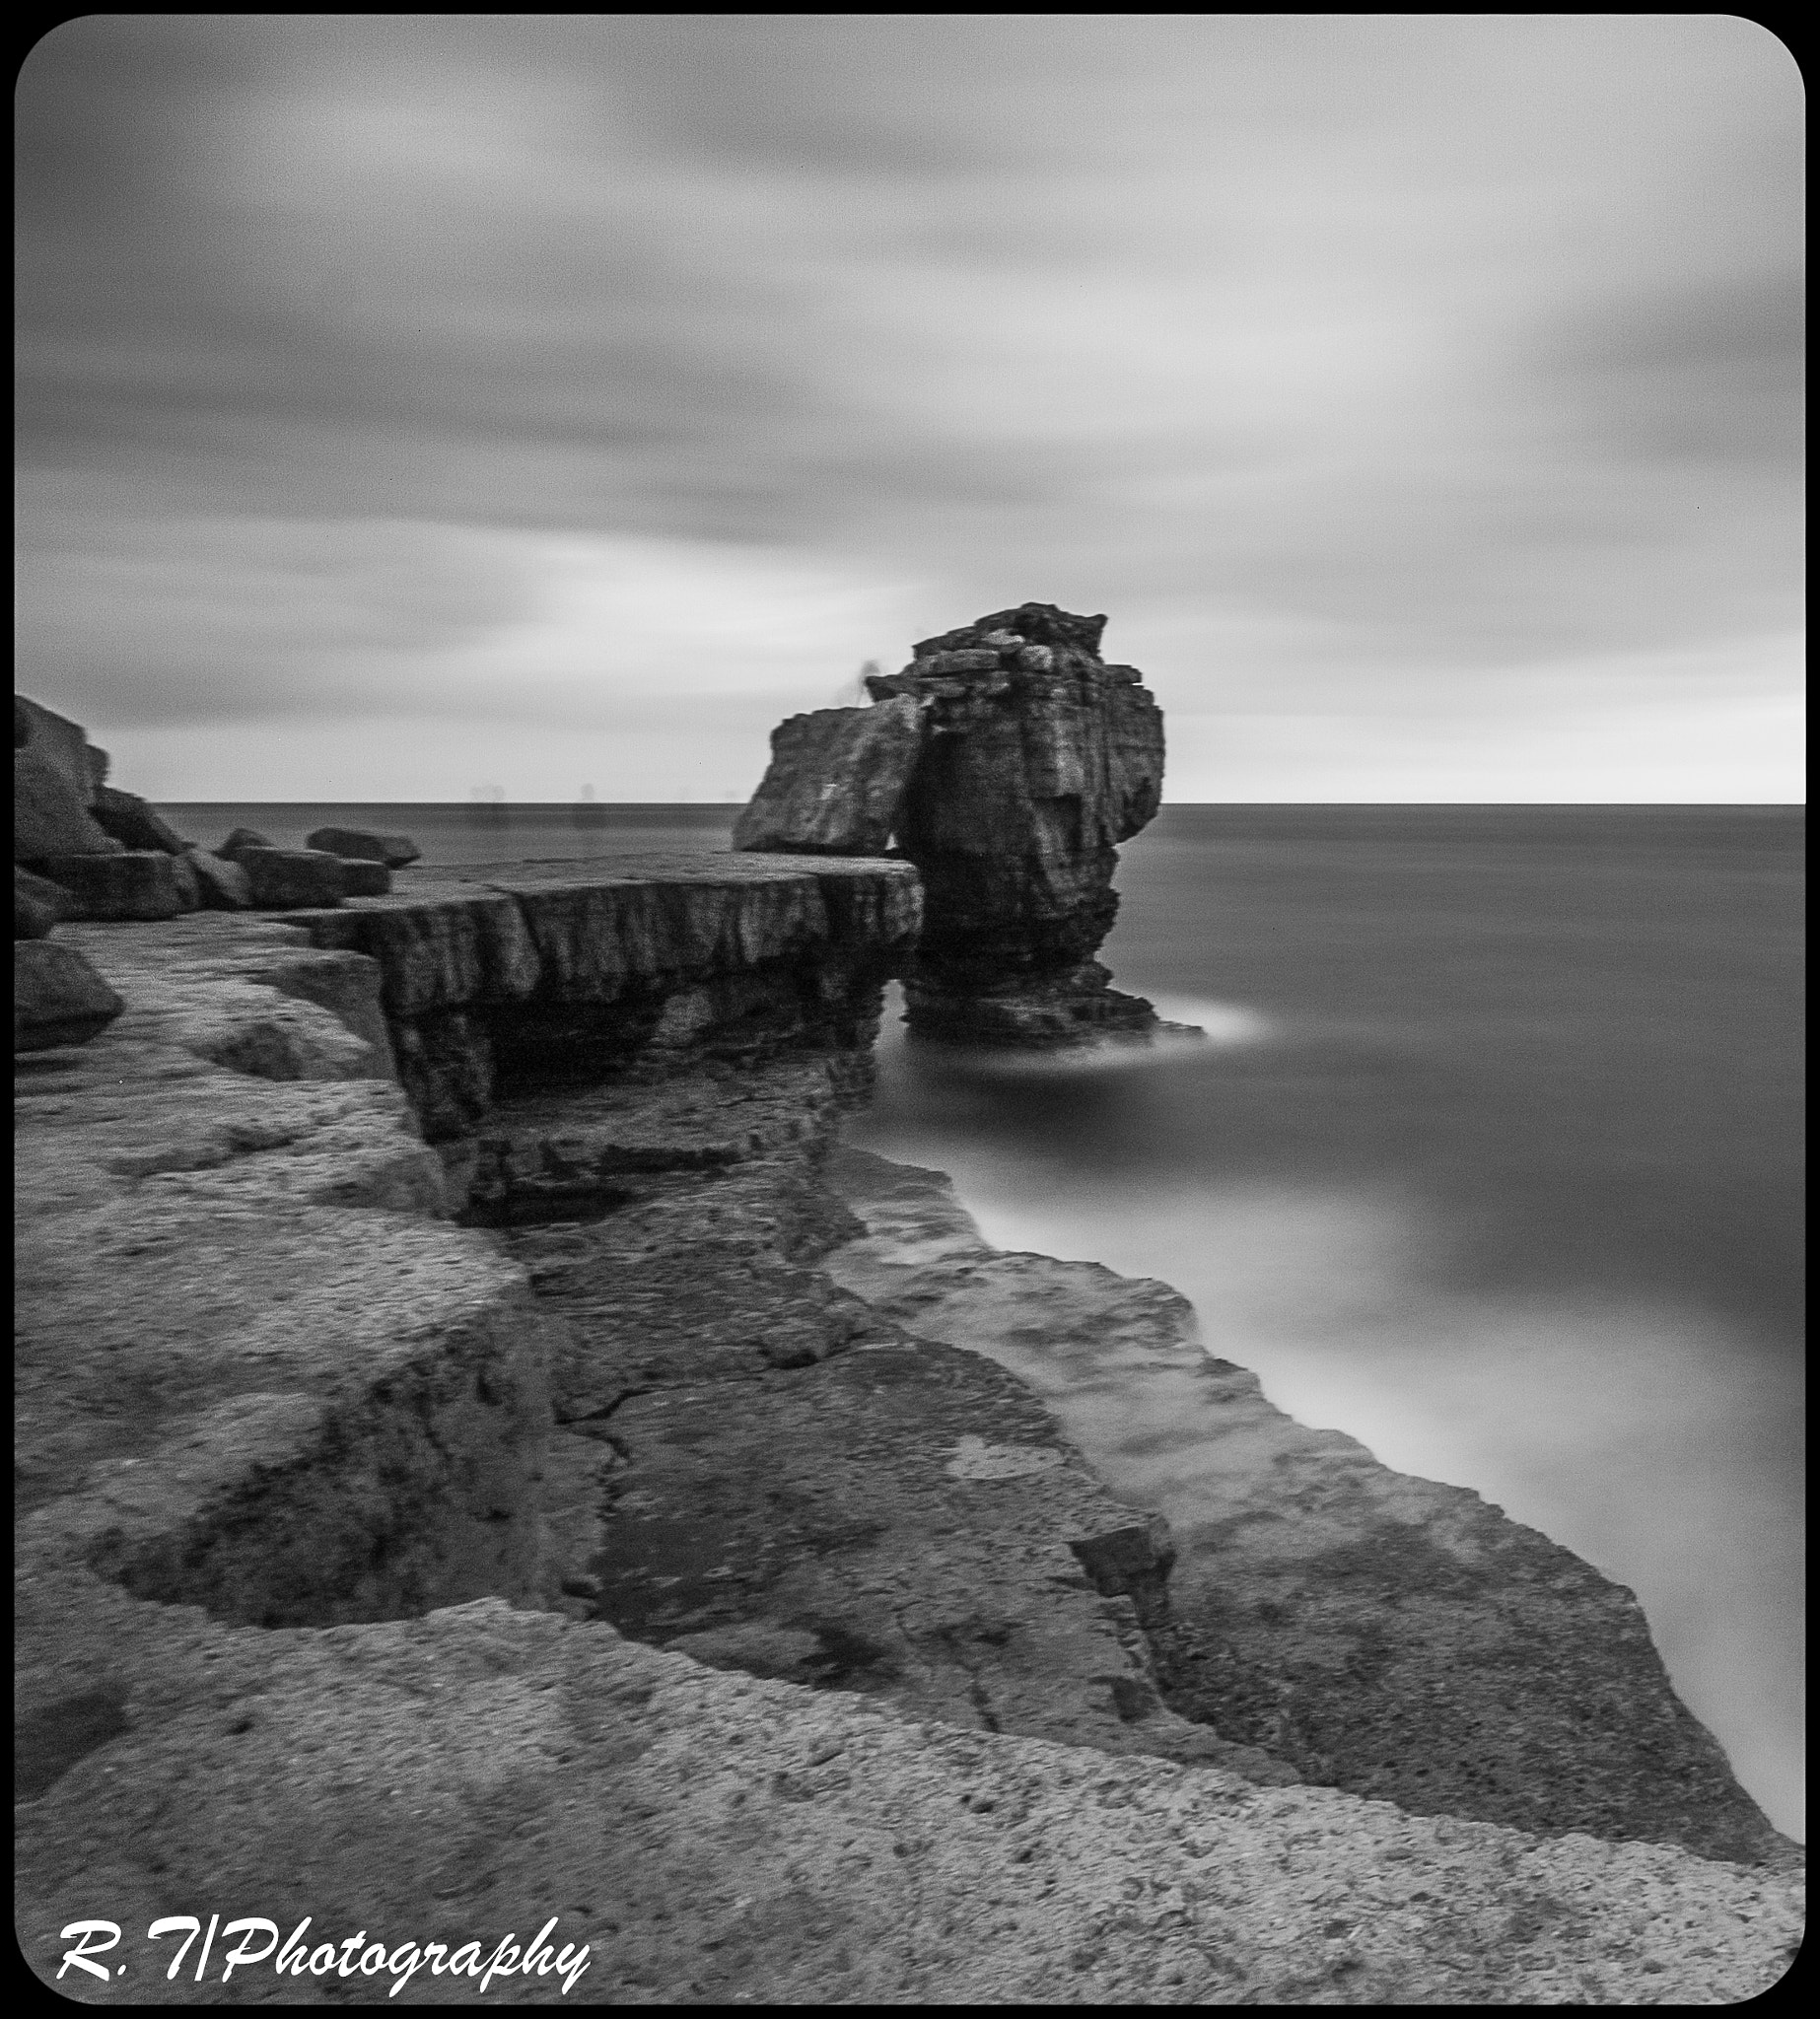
(135, 823)
(1389, 1635)
(38, 905)
(134, 883)
(62, 743)
(836, 781)
(291, 879)
(363, 876)
(356, 844)
(50, 817)
(1039, 760)
(222, 885)
(242, 837)
(59, 998)
(1134, 1562)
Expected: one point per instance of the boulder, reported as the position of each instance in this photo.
(59, 998)
(291, 879)
(62, 743)
(242, 837)
(49, 815)
(836, 781)
(355, 844)
(135, 822)
(362, 876)
(135, 883)
(221, 884)
(38, 905)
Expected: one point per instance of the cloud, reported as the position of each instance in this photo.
(1454, 344)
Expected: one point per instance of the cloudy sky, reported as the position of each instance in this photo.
(415, 402)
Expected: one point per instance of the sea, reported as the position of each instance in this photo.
(1492, 1159)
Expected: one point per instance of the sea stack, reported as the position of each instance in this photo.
(1032, 761)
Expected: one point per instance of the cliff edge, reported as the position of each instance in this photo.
(622, 1511)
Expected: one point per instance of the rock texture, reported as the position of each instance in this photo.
(356, 844)
(362, 876)
(291, 879)
(508, 977)
(132, 884)
(49, 815)
(1385, 1635)
(1010, 760)
(59, 998)
(836, 781)
(62, 745)
(38, 905)
(135, 824)
(1040, 759)
(222, 885)
(268, 1395)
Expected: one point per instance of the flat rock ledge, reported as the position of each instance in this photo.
(615, 1563)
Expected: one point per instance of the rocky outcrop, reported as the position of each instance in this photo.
(134, 883)
(836, 781)
(1385, 1635)
(111, 855)
(897, 1736)
(291, 879)
(56, 779)
(1010, 760)
(49, 815)
(357, 844)
(222, 885)
(1040, 759)
(507, 979)
(135, 824)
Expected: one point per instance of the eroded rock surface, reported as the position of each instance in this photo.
(1040, 759)
(502, 978)
(1010, 760)
(358, 844)
(1387, 1634)
(902, 1738)
(59, 998)
(836, 781)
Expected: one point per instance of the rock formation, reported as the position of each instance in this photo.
(59, 998)
(358, 845)
(837, 781)
(1032, 761)
(112, 855)
(609, 1561)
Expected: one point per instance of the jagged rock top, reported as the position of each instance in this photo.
(1003, 653)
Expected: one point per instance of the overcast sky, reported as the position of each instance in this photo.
(410, 403)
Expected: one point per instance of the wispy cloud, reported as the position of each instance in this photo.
(532, 370)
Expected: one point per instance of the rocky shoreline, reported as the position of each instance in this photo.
(487, 1452)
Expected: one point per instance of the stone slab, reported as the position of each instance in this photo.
(836, 781)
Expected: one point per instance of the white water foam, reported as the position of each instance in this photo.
(1220, 1026)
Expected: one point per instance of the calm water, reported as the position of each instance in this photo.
(1495, 1162)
